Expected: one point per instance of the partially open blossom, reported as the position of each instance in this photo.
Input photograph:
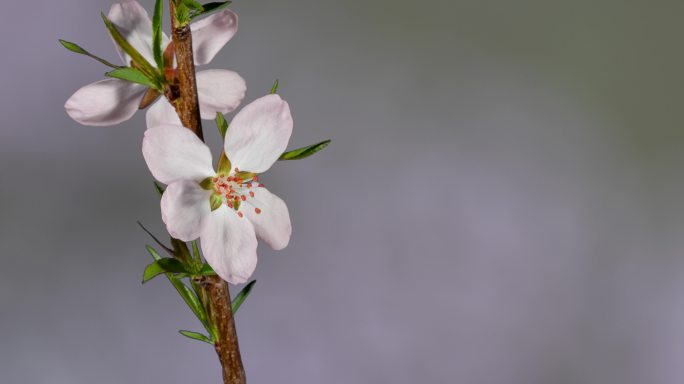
(112, 101)
(228, 209)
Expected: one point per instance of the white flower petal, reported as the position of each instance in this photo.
(106, 102)
(210, 34)
(272, 224)
(162, 113)
(219, 90)
(259, 134)
(229, 245)
(184, 206)
(174, 153)
(135, 25)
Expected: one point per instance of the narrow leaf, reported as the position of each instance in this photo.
(242, 296)
(221, 124)
(77, 49)
(157, 34)
(211, 7)
(274, 88)
(133, 75)
(304, 152)
(186, 293)
(196, 336)
(164, 265)
(156, 240)
(207, 270)
(196, 252)
(192, 4)
(137, 57)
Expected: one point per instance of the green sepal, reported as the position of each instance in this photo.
(207, 184)
(274, 88)
(221, 124)
(302, 153)
(133, 75)
(224, 165)
(207, 270)
(242, 296)
(216, 201)
(77, 49)
(189, 297)
(196, 336)
(159, 187)
(163, 265)
(157, 34)
(209, 8)
(136, 56)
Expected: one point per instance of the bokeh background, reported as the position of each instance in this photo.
(501, 204)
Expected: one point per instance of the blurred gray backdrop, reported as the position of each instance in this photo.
(501, 204)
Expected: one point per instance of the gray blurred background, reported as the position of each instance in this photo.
(501, 203)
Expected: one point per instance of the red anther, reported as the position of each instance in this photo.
(256, 178)
(257, 210)
(261, 185)
(215, 179)
(230, 204)
(251, 194)
(243, 197)
(240, 214)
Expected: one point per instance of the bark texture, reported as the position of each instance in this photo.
(216, 291)
(187, 103)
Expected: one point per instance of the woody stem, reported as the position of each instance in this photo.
(213, 287)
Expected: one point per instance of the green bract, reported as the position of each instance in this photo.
(302, 153)
(138, 59)
(157, 34)
(134, 76)
(73, 47)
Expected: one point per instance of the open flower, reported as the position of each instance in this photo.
(228, 209)
(112, 101)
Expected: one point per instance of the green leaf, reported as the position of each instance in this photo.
(167, 249)
(133, 75)
(302, 153)
(164, 265)
(77, 49)
(160, 188)
(196, 336)
(242, 296)
(221, 124)
(208, 8)
(136, 56)
(186, 293)
(193, 4)
(207, 270)
(157, 34)
(196, 252)
(274, 88)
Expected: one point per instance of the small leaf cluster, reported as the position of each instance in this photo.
(140, 70)
(184, 270)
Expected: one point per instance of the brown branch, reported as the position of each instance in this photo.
(215, 290)
(226, 346)
(187, 103)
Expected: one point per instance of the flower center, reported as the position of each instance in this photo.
(236, 188)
